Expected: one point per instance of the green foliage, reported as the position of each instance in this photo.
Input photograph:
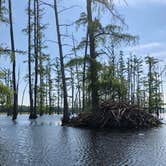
(82, 20)
(115, 34)
(153, 84)
(4, 90)
(5, 94)
(76, 61)
(3, 12)
(111, 85)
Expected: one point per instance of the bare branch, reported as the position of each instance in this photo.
(67, 25)
(112, 11)
(47, 4)
(53, 41)
(8, 51)
(65, 9)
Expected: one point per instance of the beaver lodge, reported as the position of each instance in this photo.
(116, 115)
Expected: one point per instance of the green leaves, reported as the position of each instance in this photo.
(3, 13)
(4, 90)
(82, 20)
(153, 84)
(115, 34)
(76, 61)
(151, 60)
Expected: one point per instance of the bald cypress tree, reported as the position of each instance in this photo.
(93, 68)
(65, 100)
(153, 84)
(30, 59)
(97, 32)
(13, 59)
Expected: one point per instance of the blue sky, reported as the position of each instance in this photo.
(144, 18)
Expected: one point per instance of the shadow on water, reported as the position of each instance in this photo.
(44, 142)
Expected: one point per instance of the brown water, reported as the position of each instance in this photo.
(43, 142)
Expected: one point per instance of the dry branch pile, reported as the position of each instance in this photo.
(116, 115)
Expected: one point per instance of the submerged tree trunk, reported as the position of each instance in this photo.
(58, 87)
(46, 95)
(36, 10)
(41, 69)
(65, 111)
(13, 57)
(50, 89)
(29, 61)
(150, 86)
(8, 98)
(93, 63)
(41, 89)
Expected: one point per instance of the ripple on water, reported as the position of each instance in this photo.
(43, 142)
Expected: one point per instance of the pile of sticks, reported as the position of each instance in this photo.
(116, 115)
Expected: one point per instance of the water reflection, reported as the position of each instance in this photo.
(44, 142)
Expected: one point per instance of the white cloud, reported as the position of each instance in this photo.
(147, 47)
(139, 2)
(156, 49)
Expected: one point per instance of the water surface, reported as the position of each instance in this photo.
(43, 142)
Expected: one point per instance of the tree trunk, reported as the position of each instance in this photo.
(50, 88)
(65, 111)
(150, 87)
(84, 74)
(13, 57)
(58, 85)
(29, 61)
(58, 90)
(41, 81)
(36, 10)
(0, 7)
(72, 89)
(46, 90)
(93, 66)
(77, 74)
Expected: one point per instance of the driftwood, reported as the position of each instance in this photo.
(116, 115)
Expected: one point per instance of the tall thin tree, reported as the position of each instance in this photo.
(29, 62)
(13, 58)
(36, 15)
(93, 68)
(65, 101)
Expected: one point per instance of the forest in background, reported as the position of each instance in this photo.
(95, 69)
